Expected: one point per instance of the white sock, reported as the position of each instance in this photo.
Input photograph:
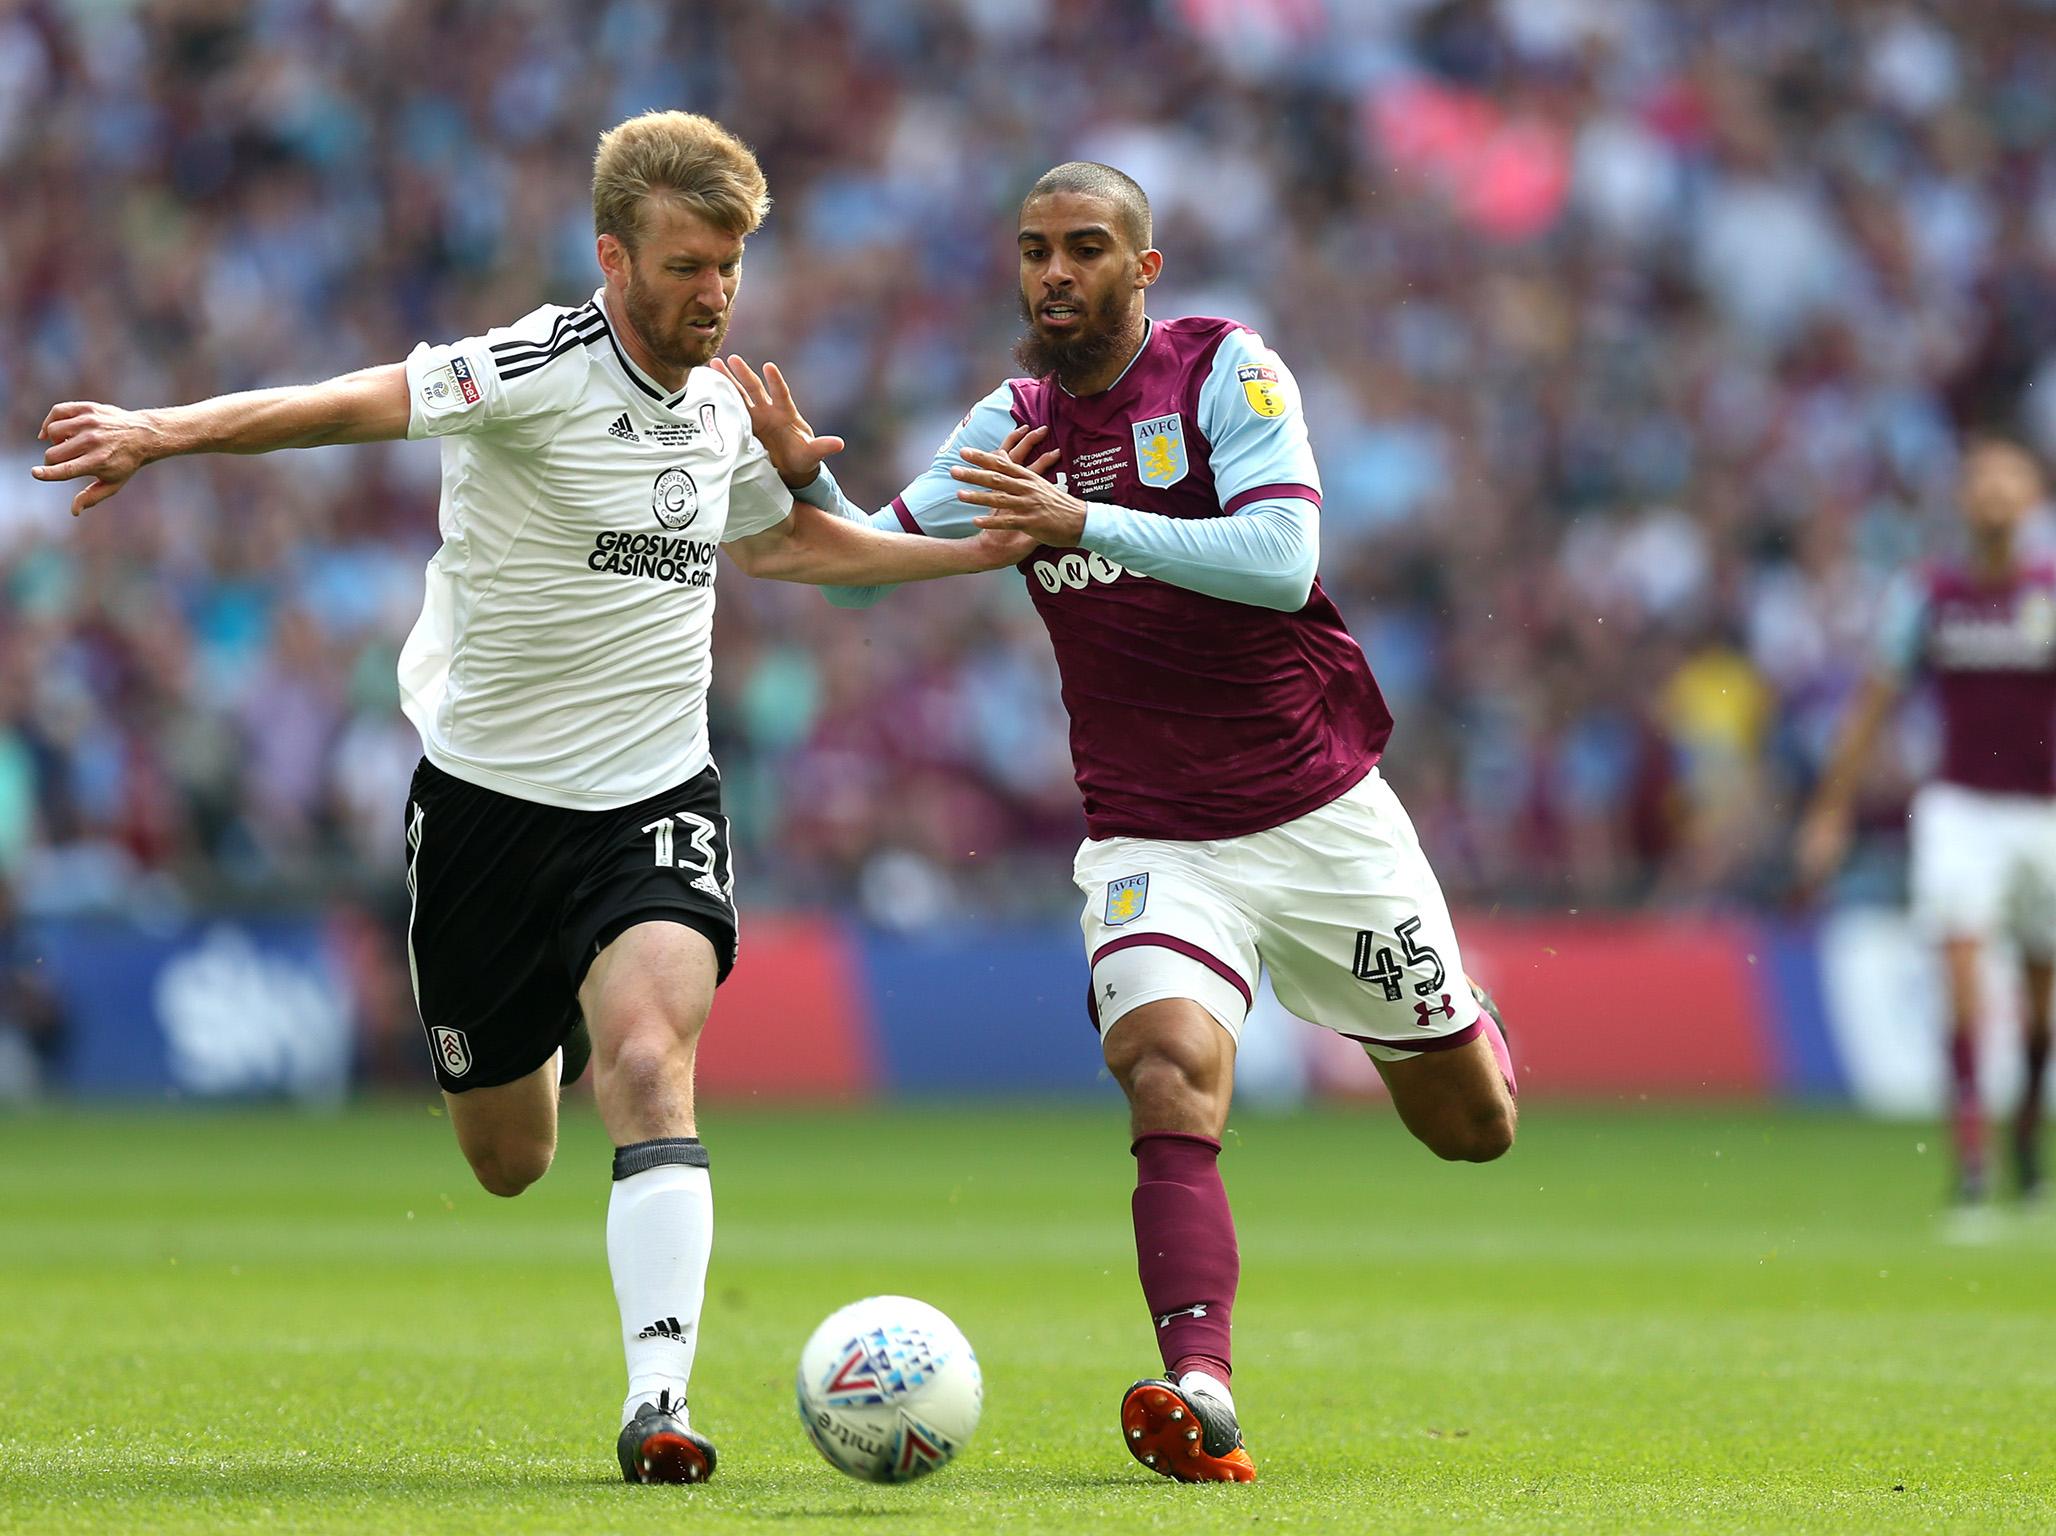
(660, 1230)
(1207, 1382)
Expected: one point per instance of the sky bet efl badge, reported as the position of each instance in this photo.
(1260, 389)
(1160, 450)
(1125, 899)
(448, 383)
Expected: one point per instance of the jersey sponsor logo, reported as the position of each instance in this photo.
(675, 499)
(687, 562)
(1261, 389)
(1126, 898)
(461, 370)
(452, 1050)
(1078, 570)
(2023, 640)
(1160, 450)
(623, 428)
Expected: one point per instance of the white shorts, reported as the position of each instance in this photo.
(1340, 905)
(1984, 866)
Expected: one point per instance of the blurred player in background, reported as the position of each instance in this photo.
(568, 861)
(1225, 731)
(1983, 833)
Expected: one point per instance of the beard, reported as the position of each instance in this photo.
(677, 348)
(1098, 339)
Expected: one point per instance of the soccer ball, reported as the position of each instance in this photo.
(889, 1389)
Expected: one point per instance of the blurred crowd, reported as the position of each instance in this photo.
(1637, 341)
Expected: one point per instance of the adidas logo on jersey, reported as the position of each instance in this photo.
(663, 1328)
(624, 429)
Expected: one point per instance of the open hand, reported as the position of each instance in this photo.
(88, 439)
(1011, 483)
(795, 452)
(1002, 546)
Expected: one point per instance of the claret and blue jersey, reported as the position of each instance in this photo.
(1213, 688)
(1988, 646)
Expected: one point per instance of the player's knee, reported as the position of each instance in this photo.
(645, 1062)
(507, 1168)
(1170, 1079)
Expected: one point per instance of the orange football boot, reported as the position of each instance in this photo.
(1191, 1436)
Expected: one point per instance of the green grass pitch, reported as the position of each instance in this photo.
(1648, 1321)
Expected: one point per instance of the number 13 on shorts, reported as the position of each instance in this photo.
(697, 859)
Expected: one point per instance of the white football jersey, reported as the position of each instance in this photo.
(563, 649)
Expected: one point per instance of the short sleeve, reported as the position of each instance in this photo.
(1249, 411)
(533, 368)
(1902, 627)
(757, 498)
(930, 504)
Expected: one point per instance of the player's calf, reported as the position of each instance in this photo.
(1479, 1135)
(1456, 1103)
(508, 1132)
(507, 1168)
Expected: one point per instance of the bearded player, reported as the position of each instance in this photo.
(1225, 731)
(571, 887)
(1982, 632)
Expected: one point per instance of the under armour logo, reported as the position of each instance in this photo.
(1198, 1311)
(1422, 1010)
(1111, 994)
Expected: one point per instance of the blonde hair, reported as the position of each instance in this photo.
(677, 155)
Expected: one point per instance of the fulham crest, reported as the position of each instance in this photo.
(452, 1050)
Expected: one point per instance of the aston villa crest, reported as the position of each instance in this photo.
(1126, 899)
(1160, 450)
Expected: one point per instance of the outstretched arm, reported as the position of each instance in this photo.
(105, 445)
(1263, 554)
(821, 549)
(928, 506)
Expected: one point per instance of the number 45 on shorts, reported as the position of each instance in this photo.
(1374, 962)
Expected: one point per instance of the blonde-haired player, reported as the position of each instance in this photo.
(568, 862)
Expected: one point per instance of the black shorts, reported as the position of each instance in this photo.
(511, 900)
